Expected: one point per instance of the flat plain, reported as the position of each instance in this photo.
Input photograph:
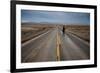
(43, 42)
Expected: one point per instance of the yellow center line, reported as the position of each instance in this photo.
(58, 47)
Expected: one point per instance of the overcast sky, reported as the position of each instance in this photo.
(55, 17)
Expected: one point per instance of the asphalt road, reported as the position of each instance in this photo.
(53, 45)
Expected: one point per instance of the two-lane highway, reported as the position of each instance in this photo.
(53, 45)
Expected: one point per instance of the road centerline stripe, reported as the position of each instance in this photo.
(58, 46)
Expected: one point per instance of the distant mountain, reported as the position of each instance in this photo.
(46, 23)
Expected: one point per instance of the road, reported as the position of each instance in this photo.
(53, 45)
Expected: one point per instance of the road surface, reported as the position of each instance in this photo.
(53, 45)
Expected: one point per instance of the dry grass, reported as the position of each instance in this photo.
(29, 31)
(82, 31)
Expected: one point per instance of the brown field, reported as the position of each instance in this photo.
(29, 30)
(82, 31)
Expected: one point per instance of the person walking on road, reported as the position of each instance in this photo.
(63, 30)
